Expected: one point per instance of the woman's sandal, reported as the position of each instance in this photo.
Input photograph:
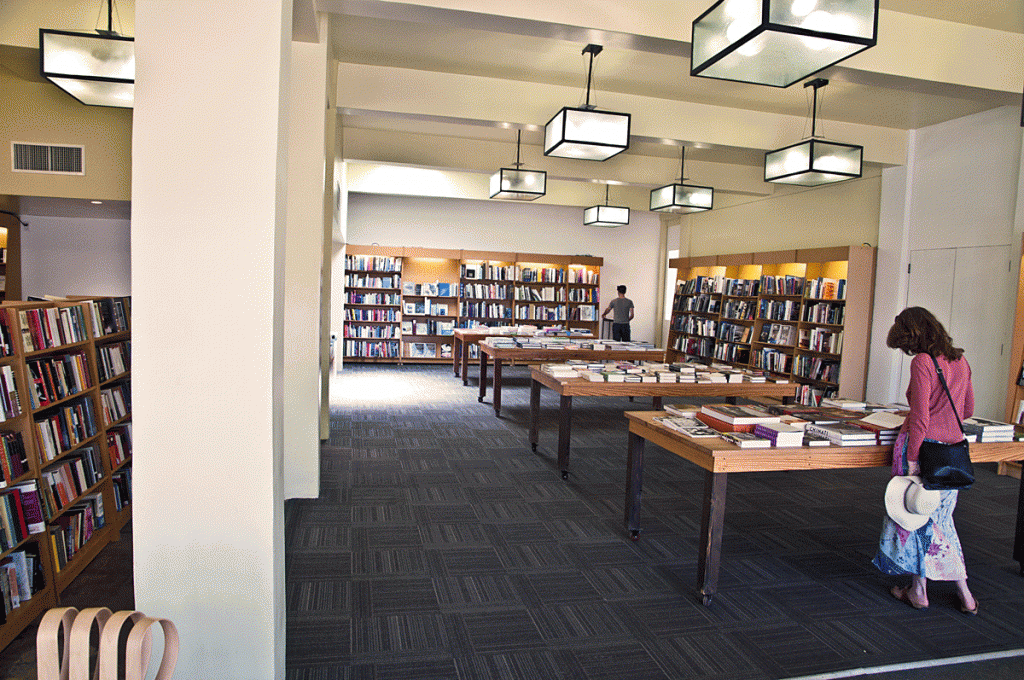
(969, 612)
(903, 595)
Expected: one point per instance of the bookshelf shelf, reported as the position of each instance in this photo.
(486, 288)
(57, 466)
(789, 295)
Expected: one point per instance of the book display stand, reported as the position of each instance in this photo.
(797, 315)
(403, 304)
(65, 465)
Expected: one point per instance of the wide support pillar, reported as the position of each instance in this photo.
(209, 200)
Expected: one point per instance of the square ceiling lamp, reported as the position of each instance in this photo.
(606, 215)
(813, 161)
(97, 69)
(585, 132)
(682, 198)
(779, 42)
(517, 184)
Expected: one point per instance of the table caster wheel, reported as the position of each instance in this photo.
(634, 534)
(480, 399)
(533, 447)
(565, 474)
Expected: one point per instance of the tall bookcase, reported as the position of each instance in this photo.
(432, 291)
(800, 315)
(1015, 390)
(66, 456)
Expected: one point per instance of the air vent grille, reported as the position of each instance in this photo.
(48, 158)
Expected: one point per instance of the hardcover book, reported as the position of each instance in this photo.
(745, 440)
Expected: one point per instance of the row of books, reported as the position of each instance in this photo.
(377, 263)
(427, 350)
(13, 458)
(10, 402)
(816, 368)
(542, 274)
(428, 327)
(739, 309)
(583, 295)
(696, 347)
(425, 307)
(782, 285)
(542, 313)
(741, 287)
(825, 312)
(821, 340)
(392, 299)
(773, 360)
(380, 315)
(75, 527)
(486, 291)
(6, 346)
(122, 482)
(65, 428)
(737, 354)
(488, 271)
(779, 310)
(113, 360)
(371, 332)
(116, 402)
(699, 303)
(119, 444)
(778, 334)
(109, 316)
(486, 310)
(582, 275)
(52, 327)
(435, 289)
(361, 281)
(702, 284)
(698, 325)
(21, 514)
(387, 349)
(734, 332)
(57, 377)
(542, 294)
(63, 483)
(21, 577)
(824, 288)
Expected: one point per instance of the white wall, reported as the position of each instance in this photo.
(959, 191)
(630, 253)
(75, 256)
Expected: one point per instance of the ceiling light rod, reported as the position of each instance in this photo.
(817, 83)
(110, 20)
(593, 51)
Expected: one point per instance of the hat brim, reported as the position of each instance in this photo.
(895, 503)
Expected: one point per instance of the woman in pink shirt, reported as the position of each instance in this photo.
(933, 551)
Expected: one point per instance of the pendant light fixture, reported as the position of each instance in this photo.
(516, 184)
(814, 161)
(779, 42)
(606, 215)
(586, 132)
(682, 198)
(97, 69)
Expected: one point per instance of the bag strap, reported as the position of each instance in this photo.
(942, 379)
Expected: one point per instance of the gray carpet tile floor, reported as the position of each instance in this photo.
(442, 547)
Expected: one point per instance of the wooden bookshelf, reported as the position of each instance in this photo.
(1014, 389)
(799, 315)
(70, 378)
(389, 324)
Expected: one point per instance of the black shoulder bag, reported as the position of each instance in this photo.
(946, 466)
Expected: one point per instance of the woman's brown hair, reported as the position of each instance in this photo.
(917, 331)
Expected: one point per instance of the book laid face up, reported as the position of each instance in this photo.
(739, 415)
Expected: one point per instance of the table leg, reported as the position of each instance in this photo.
(496, 387)
(634, 481)
(465, 362)
(534, 414)
(483, 377)
(564, 433)
(1018, 541)
(711, 521)
(456, 351)
(656, 403)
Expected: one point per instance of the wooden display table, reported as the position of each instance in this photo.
(464, 338)
(499, 355)
(718, 458)
(568, 388)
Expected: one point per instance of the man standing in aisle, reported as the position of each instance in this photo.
(623, 307)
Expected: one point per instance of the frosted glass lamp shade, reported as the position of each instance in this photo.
(779, 42)
(813, 162)
(98, 70)
(586, 133)
(518, 185)
(682, 198)
(606, 216)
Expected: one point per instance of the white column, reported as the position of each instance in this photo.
(208, 200)
(307, 97)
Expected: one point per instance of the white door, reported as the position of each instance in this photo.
(968, 290)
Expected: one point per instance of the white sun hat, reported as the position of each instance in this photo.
(908, 503)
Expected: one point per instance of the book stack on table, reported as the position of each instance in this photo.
(978, 429)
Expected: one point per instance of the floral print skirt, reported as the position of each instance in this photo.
(933, 551)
